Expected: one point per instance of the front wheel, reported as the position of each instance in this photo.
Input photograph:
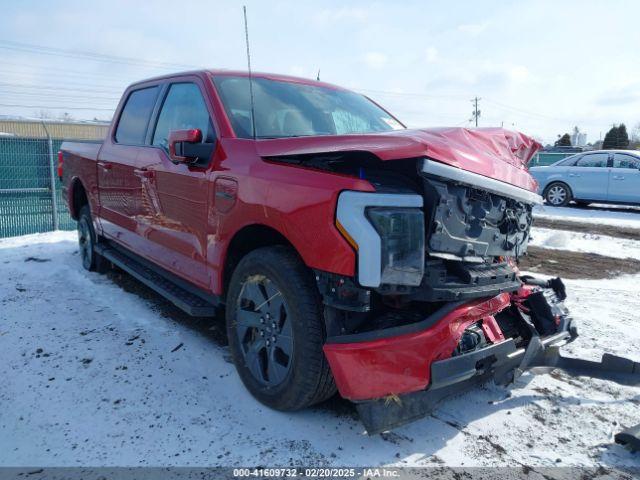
(276, 330)
(558, 194)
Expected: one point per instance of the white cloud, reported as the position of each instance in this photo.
(519, 73)
(350, 14)
(473, 28)
(297, 71)
(431, 54)
(375, 59)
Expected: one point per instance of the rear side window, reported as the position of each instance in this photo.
(134, 119)
(593, 160)
(625, 161)
(183, 108)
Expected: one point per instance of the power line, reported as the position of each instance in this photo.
(58, 107)
(100, 57)
(67, 96)
(409, 94)
(56, 88)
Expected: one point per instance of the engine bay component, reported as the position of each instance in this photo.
(470, 224)
(449, 280)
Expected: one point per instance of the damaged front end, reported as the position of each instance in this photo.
(437, 305)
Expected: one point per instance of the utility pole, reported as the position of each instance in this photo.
(476, 113)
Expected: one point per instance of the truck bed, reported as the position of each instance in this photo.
(86, 149)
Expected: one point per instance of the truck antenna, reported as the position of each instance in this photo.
(246, 37)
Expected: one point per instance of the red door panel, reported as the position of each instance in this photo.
(175, 203)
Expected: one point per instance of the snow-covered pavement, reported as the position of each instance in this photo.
(615, 215)
(92, 375)
(585, 242)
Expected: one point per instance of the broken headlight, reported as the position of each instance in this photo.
(401, 233)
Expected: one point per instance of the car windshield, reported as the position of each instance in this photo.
(288, 109)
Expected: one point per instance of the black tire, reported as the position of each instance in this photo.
(558, 194)
(87, 240)
(280, 380)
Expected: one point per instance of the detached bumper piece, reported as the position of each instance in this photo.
(630, 438)
(498, 362)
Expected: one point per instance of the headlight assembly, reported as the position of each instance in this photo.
(387, 231)
(401, 233)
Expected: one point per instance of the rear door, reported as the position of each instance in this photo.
(177, 194)
(119, 186)
(624, 180)
(589, 177)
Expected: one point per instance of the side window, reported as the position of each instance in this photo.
(625, 161)
(568, 161)
(183, 108)
(593, 160)
(134, 119)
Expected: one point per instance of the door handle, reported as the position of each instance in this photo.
(105, 165)
(574, 174)
(143, 173)
(618, 177)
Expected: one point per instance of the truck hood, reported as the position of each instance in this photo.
(493, 152)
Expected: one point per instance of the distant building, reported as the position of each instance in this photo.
(578, 139)
(59, 130)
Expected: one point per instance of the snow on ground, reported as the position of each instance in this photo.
(585, 242)
(90, 375)
(620, 216)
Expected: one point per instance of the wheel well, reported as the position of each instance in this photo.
(79, 198)
(246, 240)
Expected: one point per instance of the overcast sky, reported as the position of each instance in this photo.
(540, 67)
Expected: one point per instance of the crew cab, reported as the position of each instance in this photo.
(346, 251)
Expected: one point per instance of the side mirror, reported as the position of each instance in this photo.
(177, 141)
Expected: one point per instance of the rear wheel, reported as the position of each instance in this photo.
(87, 240)
(276, 330)
(558, 194)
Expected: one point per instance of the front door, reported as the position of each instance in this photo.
(589, 177)
(177, 195)
(624, 180)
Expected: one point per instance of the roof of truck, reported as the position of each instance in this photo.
(244, 73)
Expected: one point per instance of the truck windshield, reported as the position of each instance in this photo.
(288, 109)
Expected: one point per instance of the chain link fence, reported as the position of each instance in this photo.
(30, 192)
(30, 195)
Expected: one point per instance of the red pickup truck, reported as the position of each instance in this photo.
(346, 251)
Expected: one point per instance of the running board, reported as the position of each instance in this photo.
(179, 292)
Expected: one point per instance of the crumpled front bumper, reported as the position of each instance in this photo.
(398, 360)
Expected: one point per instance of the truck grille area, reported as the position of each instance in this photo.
(447, 280)
(469, 224)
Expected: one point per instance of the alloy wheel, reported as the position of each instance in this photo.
(264, 331)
